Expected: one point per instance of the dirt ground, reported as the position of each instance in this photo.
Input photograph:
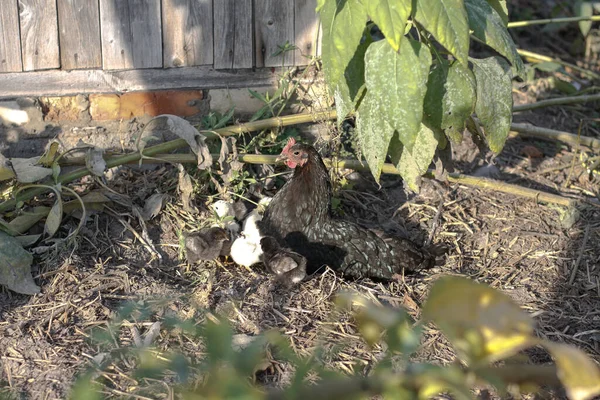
(541, 255)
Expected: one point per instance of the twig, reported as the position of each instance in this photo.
(551, 134)
(586, 235)
(559, 101)
(435, 223)
(541, 57)
(519, 24)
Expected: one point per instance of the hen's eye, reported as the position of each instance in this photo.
(297, 153)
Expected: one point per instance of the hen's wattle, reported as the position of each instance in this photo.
(300, 216)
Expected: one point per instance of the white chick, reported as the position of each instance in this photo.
(225, 209)
(246, 249)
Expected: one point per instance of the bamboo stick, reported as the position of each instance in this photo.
(551, 134)
(519, 24)
(541, 57)
(559, 101)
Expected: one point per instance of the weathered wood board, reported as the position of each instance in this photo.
(233, 34)
(306, 30)
(131, 34)
(10, 41)
(62, 83)
(39, 34)
(273, 26)
(188, 32)
(79, 24)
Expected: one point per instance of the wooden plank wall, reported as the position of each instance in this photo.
(133, 34)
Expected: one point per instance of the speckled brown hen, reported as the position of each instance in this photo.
(300, 216)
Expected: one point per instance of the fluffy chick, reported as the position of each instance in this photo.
(207, 244)
(246, 250)
(289, 266)
(225, 209)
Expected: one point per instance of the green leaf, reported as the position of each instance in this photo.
(414, 163)
(27, 219)
(489, 27)
(350, 91)
(450, 99)
(390, 16)
(548, 66)
(343, 24)
(584, 9)
(577, 372)
(15, 266)
(501, 9)
(483, 324)
(394, 98)
(494, 99)
(446, 20)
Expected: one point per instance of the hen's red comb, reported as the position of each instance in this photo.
(291, 141)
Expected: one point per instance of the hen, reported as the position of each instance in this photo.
(300, 216)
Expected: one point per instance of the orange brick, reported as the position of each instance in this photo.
(129, 105)
(66, 108)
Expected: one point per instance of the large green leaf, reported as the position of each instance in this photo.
(412, 164)
(396, 85)
(483, 324)
(348, 92)
(489, 27)
(374, 133)
(447, 22)
(584, 9)
(390, 16)
(576, 370)
(343, 24)
(450, 99)
(501, 9)
(494, 99)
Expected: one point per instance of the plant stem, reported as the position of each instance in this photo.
(541, 57)
(559, 101)
(179, 143)
(551, 134)
(357, 165)
(519, 24)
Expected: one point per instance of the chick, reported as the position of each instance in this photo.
(246, 250)
(207, 244)
(289, 266)
(226, 211)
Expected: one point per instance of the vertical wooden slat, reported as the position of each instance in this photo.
(188, 32)
(233, 34)
(306, 30)
(79, 33)
(39, 34)
(273, 26)
(10, 45)
(131, 34)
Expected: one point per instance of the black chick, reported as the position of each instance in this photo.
(207, 244)
(289, 266)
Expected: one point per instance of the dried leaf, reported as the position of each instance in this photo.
(153, 205)
(54, 218)
(27, 219)
(94, 161)
(15, 266)
(27, 171)
(186, 189)
(187, 132)
(47, 159)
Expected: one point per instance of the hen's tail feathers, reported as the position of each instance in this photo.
(433, 255)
